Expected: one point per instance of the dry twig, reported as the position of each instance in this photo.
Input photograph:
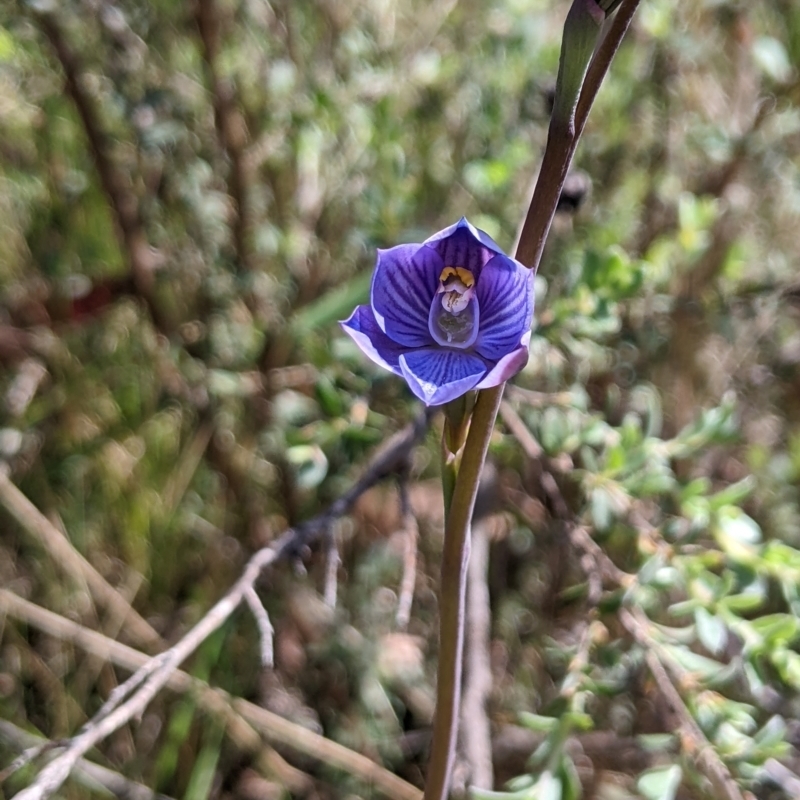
(596, 563)
(121, 198)
(476, 731)
(88, 773)
(231, 128)
(266, 632)
(34, 523)
(238, 714)
(693, 740)
(409, 579)
(332, 562)
(781, 776)
(157, 673)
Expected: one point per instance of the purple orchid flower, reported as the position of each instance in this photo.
(448, 315)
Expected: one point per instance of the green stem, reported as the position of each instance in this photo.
(452, 594)
(562, 139)
(460, 480)
(456, 424)
(450, 462)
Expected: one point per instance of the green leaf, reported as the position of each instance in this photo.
(548, 787)
(329, 398)
(332, 306)
(660, 783)
(602, 511)
(738, 535)
(787, 662)
(650, 568)
(705, 669)
(536, 722)
(7, 46)
(737, 525)
(711, 631)
(771, 56)
(731, 742)
(777, 629)
(577, 720)
(752, 598)
(570, 780)
(657, 742)
(553, 429)
(772, 733)
(201, 780)
(581, 30)
(310, 464)
(734, 494)
(782, 560)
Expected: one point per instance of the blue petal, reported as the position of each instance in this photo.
(464, 245)
(439, 376)
(505, 296)
(508, 366)
(363, 329)
(405, 281)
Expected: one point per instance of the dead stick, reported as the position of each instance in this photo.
(33, 522)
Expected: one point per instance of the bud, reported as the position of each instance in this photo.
(581, 32)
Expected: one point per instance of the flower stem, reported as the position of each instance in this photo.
(456, 424)
(452, 593)
(562, 139)
(460, 480)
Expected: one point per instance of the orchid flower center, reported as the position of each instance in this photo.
(454, 315)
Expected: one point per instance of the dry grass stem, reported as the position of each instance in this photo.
(266, 632)
(692, 739)
(409, 579)
(476, 731)
(235, 711)
(181, 477)
(520, 431)
(782, 776)
(34, 523)
(131, 699)
(332, 561)
(93, 776)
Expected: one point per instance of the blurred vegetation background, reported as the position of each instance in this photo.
(191, 194)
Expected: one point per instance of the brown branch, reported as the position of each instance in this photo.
(16, 344)
(332, 562)
(781, 776)
(91, 774)
(266, 632)
(693, 740)
(239, 715)
(562, 139)
(409, 579)
(714, 183)
(121, 197)
(541, 464)
(156, 673)
(231, 130)
(606, 749)
(125, 205)
(476, 731)
(702, 274)
(595, 562)
(34, 523)
(596, 565)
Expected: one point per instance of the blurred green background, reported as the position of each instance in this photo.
(191, 195)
